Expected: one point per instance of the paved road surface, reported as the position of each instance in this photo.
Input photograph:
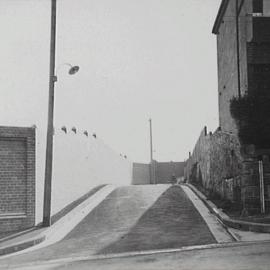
(143, 218)
(246, 257)
(131, 218)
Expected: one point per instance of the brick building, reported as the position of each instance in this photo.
(162, 172)
(17, 178)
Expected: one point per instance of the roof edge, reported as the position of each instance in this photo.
(220, 15)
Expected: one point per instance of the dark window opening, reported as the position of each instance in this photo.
(259, 77)
(257, 6)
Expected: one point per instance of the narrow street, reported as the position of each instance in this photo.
(135, 135)
(241, 256)
(146, 227)
(131, 218)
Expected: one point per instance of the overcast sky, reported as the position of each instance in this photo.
(138, 59)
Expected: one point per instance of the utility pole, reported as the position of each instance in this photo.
(151, 142)
(152, 165)
(49, 145)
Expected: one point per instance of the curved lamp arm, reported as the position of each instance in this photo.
(72, 70)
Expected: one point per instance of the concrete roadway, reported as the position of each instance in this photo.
(248, 256)
(244, 257)
(141, 218)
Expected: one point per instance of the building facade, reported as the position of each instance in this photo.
(226, 162)
(243, 52)
(17, 178)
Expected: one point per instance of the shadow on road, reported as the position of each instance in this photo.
(172, 222)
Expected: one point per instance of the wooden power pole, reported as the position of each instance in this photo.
(49, 145)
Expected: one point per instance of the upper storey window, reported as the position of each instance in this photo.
(261, 6)
(257, 6)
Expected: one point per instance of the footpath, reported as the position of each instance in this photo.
(37, 236)
(242, 230)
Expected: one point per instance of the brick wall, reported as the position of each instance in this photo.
(17, 178)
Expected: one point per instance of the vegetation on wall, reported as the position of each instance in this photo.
(252, 115)
(196, 175)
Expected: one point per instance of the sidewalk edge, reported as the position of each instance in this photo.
(50, 231)
(21, 246)
(225, 219)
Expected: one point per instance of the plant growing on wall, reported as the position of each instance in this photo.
(193, 174)
(196, 175)
(252, 115)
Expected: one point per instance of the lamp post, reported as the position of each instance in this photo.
(49, 145)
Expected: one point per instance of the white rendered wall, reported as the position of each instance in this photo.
(79, 164)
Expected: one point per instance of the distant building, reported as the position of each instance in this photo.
(162, 172)
(242, 28)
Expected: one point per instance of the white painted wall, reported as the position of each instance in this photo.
(79, 164)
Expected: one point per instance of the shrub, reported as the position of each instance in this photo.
(252, 115)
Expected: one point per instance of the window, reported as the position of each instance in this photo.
(257, 6)
(261, 6)
(259, 77)
(267, 192)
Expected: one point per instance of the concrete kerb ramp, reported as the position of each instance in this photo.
(47, 236)
(233, 223)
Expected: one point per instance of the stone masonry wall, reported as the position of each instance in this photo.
(197, 167)
(226, 165)
(17, 178)
(215, 163)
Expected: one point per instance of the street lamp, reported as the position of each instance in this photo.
(49, 145)
(72, 70)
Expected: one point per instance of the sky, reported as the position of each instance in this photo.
(138, 59)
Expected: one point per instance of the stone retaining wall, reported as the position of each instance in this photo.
(224, 167)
